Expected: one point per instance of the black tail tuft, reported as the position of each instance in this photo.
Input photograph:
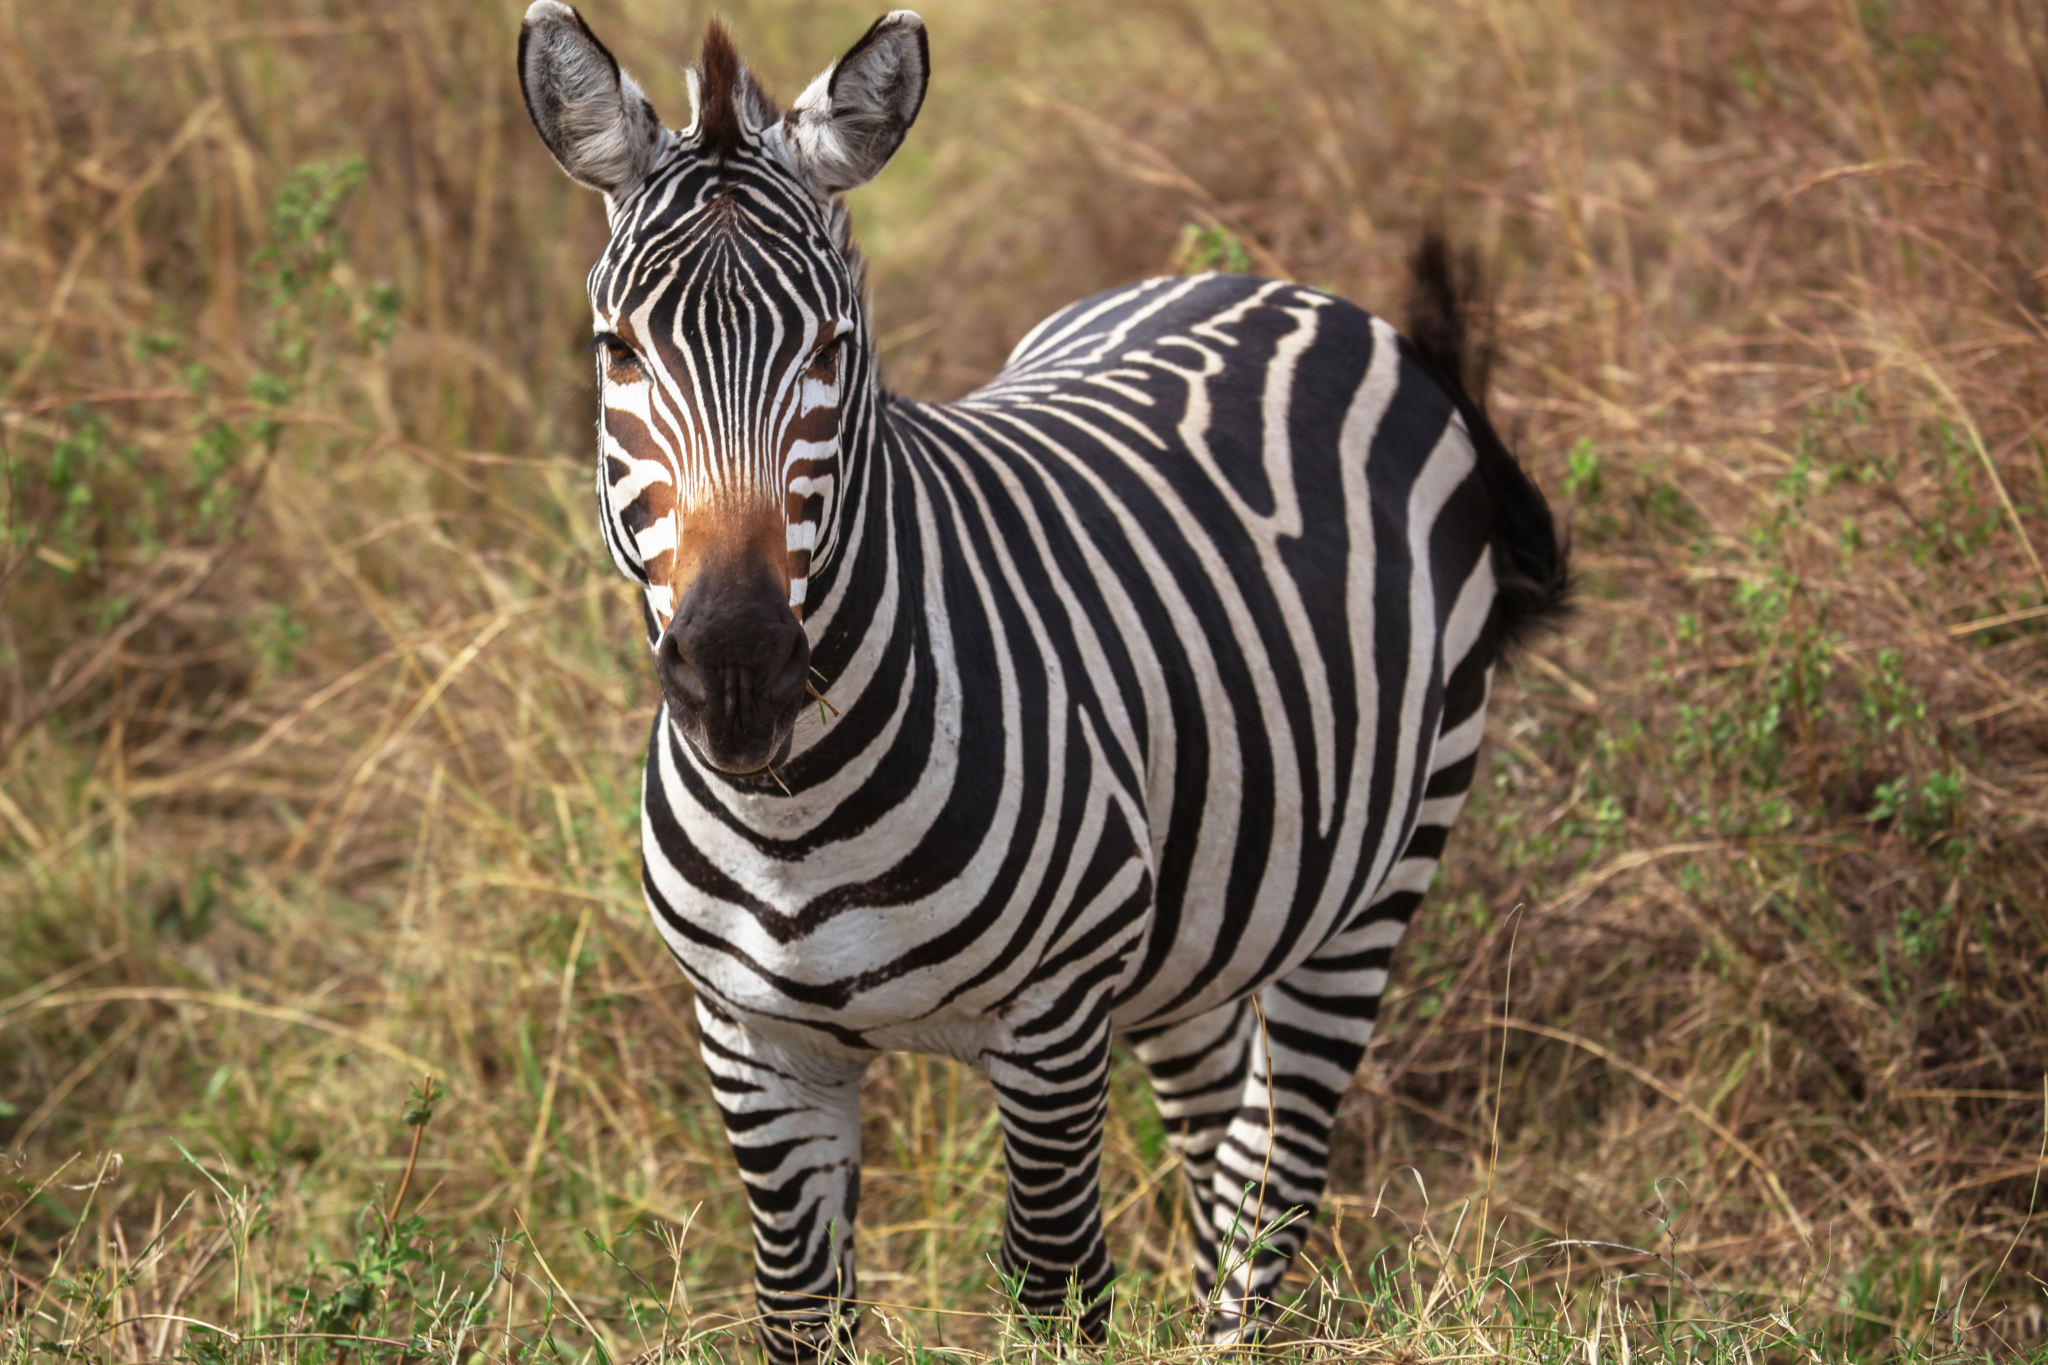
(1529, 559)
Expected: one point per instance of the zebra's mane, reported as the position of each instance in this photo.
(724, 85)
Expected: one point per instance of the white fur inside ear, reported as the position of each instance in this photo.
(849, 121)
(821, 153)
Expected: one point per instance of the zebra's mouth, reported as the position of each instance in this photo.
(738, 723)
(741, 756)
(761, 775)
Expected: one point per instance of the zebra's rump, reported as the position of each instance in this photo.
(1145, 709)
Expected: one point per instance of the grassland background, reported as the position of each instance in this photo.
(320, 708)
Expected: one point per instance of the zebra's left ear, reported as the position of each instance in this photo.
(845, 127)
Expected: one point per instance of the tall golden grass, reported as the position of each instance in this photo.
(319, 748)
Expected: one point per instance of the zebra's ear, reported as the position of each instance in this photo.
(846, 126)
(592, 116)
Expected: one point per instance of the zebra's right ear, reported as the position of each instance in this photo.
(845, 127)
(592, 116)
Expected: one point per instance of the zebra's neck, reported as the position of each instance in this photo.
(873, 627)
(863, 450)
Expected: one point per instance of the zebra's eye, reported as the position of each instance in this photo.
(621, 362)
(825, 361)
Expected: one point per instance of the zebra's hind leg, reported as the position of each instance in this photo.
(793, 1118)
(1274, 1157)
(1198, 1069)
(1224, 1114)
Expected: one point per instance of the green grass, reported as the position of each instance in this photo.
(320, 709)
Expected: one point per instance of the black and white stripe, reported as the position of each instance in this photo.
(1161, 666)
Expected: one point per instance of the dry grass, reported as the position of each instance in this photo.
(319, 748)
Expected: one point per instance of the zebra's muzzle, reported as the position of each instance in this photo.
(732, 665)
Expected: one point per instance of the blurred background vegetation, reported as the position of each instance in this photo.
(320, 708)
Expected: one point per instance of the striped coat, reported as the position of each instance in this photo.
(1160, 665)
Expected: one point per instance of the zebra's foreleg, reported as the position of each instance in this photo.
(793, 1118)
(1198, 1071)
(1053, 1104)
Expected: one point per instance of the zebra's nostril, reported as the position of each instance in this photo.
(783, 677)
(679, 678)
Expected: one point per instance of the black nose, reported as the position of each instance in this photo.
(732, 665)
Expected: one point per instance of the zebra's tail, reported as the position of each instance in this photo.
(1446, 290)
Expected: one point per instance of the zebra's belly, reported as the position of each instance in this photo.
(1217, 952)
(924, 1011)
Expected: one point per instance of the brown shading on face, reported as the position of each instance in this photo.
(733, 658)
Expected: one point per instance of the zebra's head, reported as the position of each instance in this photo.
(733, 351)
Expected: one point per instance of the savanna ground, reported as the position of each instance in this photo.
(1724, 1036)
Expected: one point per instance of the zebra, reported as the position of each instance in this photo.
(1158, 671)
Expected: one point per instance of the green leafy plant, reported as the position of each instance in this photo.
(1204, 248)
